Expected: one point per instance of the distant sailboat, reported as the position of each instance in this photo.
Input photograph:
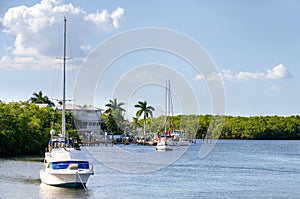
(65, 165)
(162, 144)
(171, 137)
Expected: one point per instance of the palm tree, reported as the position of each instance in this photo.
(115, 113)
(144, 109)
(114, 105)
(38, 98)
(135, 124)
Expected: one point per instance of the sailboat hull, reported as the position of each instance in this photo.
(163, 148)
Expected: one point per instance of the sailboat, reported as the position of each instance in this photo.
(170, 137)
(163, 143)
(65, 165)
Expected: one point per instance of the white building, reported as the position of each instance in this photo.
(87, 121)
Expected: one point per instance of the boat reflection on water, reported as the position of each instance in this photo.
(50, 192)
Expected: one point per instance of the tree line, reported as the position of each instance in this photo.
(232, 127)
(223, 127)
(25, 127)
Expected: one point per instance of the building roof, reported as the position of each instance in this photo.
(74, 107)
(42, 105)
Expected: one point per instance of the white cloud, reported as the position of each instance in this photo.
(226, 74)
(36, 30)
(275, 88)
(25, 62)
(86, 48)
(116, 16)
(277, 72)
(214, 77)
(101, 19)
(249, 76)
(199, 77)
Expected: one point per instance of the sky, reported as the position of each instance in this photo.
(254, 47)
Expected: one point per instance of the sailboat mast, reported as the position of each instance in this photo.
(169, 98)
(64, 83)
(166, 106)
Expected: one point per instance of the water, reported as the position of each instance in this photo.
(233, 169)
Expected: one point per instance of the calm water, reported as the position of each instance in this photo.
(233, 169)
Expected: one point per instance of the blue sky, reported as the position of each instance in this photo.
(255, 46)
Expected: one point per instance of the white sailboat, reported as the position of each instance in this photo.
(65, 165)
(178, 139)
(170, 138)
(162, 145)
(163, 142)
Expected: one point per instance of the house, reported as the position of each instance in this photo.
(87, 121)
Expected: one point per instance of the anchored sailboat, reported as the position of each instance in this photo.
(65, 165)
(163, 143)
(171, 137)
